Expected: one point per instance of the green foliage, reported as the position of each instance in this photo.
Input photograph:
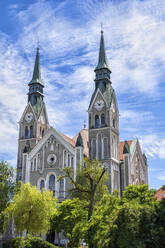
(28, 242)
(105, 214)
(31, 210)
(7, 188)
(89, 187)
(70, 217)
(139, 193)
(7, 184)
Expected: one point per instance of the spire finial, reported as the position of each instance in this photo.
(102, 28)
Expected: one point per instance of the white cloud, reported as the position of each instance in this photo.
(134, 37)
(162, 178)
(153, 145)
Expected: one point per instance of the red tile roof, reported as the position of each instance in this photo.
(160, 194)
(122, 146)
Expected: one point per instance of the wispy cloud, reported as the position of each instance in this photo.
(134, 36)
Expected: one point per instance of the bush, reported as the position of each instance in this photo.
(29, 242)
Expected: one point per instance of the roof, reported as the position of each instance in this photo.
(68, 139)
(160, 194)
(37, 72)
(84, 135)
(102, 61)
(122, 147)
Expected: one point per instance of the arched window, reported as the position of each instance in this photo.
(105, 145)
(114, 123)
(97, 124)
(26, 132)
(43, 132)
(31, 131)
(52, 184)
(68, 160)
(99, 143)
(38, 160)
(72, 162)
(64, 158)
(42, 184)
(90, 120)
(102, 120)
(34, 164)
(61, 188)
(93, 149)
(40, 132)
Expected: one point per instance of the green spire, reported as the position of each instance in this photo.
(126, 148)
(79, 141)
(102, 61)
(36, 86)
(36, 72)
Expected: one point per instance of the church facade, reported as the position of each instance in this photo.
(43, 152)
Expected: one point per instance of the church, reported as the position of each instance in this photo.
(43, 151)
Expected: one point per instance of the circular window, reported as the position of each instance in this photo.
(51, 159)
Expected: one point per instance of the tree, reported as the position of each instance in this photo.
(31, 209)
(70, 218)
(89, 185)
(7, 184)
(7, 188)
(139, 193)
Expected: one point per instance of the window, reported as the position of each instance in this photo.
(61, 188)
(105, 145)
(72, 162)
(97, 124)
(42, 184)
(34, 164)
(31, 131)
(43, 132)
(102, 120)
(99, 143)
(26, 132)
(68, 160)
(114, 123)
(64, 158)
(93, 149)
(52, 184)
(90, 120)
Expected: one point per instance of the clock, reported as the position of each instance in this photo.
(51, 159)
(99, 105)
(29, 117)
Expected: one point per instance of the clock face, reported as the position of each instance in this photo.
(99, 105)
(51, 159)
(29, 117)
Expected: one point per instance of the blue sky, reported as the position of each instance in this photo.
(69, 34)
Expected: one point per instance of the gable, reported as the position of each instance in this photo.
(28, 109)
(107, 93)
(43, 117)
(98, 96)
(60, 139)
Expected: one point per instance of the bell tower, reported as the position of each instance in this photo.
(34, 121)
(103, 121)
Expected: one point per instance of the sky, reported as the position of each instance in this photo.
(68, 32)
